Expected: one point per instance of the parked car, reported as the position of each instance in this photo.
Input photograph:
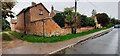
(117, 26)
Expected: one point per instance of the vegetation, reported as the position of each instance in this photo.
(115, 21)
(33, 38)
(68, 12)
(6, 37)
(86, 21)
(59, 19)
(5, 25)
(6, 12)
(103, 19)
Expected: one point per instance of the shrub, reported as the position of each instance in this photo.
(6, 37)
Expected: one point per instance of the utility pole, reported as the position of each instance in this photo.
(75, 25)
(24, 24)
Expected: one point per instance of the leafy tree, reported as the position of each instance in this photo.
(5, 24)
(83, 20)
(103, 19)
(59, 19)
(68, 12)
(69, 15)
(113, 21)
(6, 12)
(86, 21)
(6, 9)
(91, 22)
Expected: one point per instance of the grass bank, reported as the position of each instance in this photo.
(34, 38)
(6, 37)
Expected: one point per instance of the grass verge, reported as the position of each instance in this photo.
(6, 37)
(33, 38)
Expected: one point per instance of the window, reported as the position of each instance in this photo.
(41, 12)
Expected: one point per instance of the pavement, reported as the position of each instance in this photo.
(14, 43)
(47, 48)
(106, 44)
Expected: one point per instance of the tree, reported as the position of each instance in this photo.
(103, 19)
(5, 24)
(113, 21)
(6, 12)
(6, 9)
(59, 19)
(68, 12)
(86, 21)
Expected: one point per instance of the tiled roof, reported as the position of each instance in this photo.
(55, 11)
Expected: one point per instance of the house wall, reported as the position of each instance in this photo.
(33, 22)
(36, 27)
(27, 21)
(52, 27)
(20, 23)
(34, 13)
(13, 26)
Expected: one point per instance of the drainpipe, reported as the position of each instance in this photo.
(24, 24)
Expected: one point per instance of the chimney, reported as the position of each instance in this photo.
(33, 3)
(52, 8)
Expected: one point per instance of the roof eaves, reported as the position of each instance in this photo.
(31, 7)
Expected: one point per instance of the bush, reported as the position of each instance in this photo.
(109, 25)
(59, 19)
(6, 37)
(86, 21)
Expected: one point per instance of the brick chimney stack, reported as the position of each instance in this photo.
(33, 3)
(52, 8)
(52, 14)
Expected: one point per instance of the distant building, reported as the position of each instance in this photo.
(54, 12)
(13, 24)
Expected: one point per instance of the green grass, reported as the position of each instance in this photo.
(34, 38)
(6, 37)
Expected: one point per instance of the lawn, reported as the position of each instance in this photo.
(34, 38)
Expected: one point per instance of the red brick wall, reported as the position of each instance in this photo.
(13, 26)
(52, 14)
(83, 29)
(49, 27)
(20, 22)
(52, 27)
(27, 21)
(34, 13)
(34, 25)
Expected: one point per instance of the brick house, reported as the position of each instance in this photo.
(36, 19)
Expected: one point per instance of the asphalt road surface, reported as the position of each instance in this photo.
(106, 44)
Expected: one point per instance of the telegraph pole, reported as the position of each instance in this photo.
(75, 25)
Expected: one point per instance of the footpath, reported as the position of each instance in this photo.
(52, 48)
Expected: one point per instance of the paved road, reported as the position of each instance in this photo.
(106, 44)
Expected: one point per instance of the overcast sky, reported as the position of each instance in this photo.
(84, 6)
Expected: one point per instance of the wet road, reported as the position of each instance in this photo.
(106, 44)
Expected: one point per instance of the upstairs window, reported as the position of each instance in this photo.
(40, 12)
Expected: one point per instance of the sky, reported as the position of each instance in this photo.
(83, 7)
